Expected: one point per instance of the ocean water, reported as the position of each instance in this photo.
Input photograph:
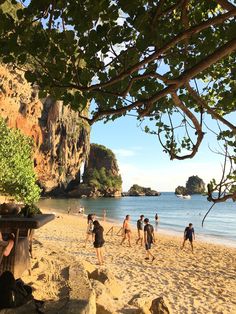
(174, 213)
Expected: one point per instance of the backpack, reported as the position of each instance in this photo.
(13, 292)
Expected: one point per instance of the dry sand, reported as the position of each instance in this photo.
(203, 282)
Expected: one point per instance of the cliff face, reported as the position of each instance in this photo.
(61, 138)
(101, 175)
(195, 185)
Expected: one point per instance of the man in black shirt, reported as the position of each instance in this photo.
(189, 235)
(140, 230)
(149, 238)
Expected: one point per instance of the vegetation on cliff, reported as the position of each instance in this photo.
(181, 190)
(112, 52)
(137, 190)
(17, 177)
(194, 185)
(102, 172)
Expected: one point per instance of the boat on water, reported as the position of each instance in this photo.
(186, 197)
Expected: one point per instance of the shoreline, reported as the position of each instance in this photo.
(164, 231)
(203, 282)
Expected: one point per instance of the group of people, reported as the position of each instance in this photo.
(145, 232)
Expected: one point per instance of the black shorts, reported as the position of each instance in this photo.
(189, 238)
(148, 246)
(98, 244)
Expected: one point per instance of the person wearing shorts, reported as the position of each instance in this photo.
(149, 238)
(189, 235)
(127, 230)
(140, 230)
(98, 241)
(89, 231)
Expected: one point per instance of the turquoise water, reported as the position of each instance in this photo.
(174, 213)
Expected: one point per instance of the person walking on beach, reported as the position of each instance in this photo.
(127, 230)
(89, 231)
(140, 230)
(189, 235)
(156, 219)
(149, 238)
(98, 241)
(104, 214)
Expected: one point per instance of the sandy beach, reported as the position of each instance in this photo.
(201, 283)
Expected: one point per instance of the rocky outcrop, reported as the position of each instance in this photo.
(195, 185)
(147, 305)
(181, 190)
(61, 138)
(101, 175)
(137, 190)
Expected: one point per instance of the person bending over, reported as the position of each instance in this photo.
(98, 241)
(89, 231)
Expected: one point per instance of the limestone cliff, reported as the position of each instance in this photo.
(101, 175)
(61, 138)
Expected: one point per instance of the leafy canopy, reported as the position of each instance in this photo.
(168, 61)
(17, 177)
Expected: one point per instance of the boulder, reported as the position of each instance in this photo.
(82, 295)
(29, 307)
(146, 305)
(159, 306)
(142, 303)
(109, 281)
(104, 301)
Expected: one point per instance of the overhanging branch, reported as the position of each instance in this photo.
(209, 110)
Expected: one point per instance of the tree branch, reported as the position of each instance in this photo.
(196, 124)
(188, 33)
(217, 55)
(201, 102)
(226, 5)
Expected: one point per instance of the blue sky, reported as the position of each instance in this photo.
(142, 161)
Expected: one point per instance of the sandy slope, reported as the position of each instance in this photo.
(203, 282)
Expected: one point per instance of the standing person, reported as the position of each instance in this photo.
(149, 238)
(127, 230)
(98, 241)
(189, 234)
(104, 214)
(89, 231)
(140, 230)
(156, 219)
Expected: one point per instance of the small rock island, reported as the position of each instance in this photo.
(137, 190)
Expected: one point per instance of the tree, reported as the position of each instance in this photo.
(17, 177)
(169, 62)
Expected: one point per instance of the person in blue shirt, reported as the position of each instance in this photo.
(189, 235)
